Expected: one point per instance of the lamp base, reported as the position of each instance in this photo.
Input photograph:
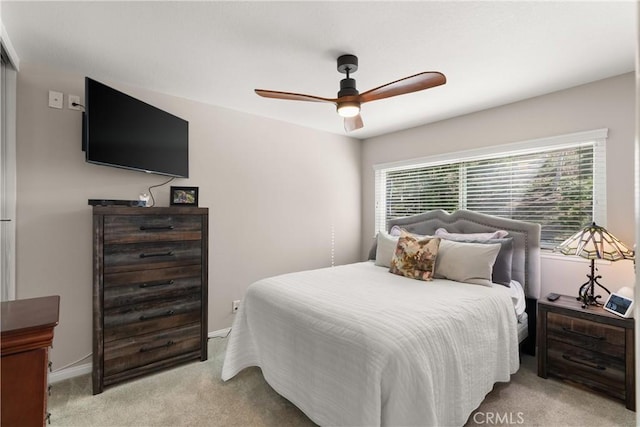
(586, 291)
(588, 300)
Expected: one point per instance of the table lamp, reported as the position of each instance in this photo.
(594, 242)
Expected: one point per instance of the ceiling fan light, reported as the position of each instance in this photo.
(349, 109)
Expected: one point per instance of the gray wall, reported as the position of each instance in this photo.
(608, 103)
(276, 194)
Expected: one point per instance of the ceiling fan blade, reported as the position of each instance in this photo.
(353, 123)
(410, 84)
(292, 96)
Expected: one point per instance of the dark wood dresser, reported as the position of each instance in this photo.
(149, 290)
(27, 333)
(591, 347)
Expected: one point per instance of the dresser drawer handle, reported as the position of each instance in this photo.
(150, 285)
(582, 334)
(157, 228)
(155, 316)
(170, 253)
(159, 347)
(583, 362)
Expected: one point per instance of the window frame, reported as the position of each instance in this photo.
(597, 137)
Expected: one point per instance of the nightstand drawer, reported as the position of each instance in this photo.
(606, 339)
(593, 369)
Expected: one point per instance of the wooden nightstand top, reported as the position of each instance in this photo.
(571, 306)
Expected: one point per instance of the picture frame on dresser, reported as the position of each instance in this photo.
(183, 196)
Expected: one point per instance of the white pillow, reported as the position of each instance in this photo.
(386, 246)
(498, 234)
(466, 262)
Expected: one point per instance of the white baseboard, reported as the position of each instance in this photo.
(76, 371)
(220, 333)
(70, 372)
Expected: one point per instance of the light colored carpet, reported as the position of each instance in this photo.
(194, 395)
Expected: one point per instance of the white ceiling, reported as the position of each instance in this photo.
(492, 52)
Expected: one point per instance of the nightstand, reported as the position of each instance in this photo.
(588, 346)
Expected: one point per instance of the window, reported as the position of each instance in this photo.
(557, 182)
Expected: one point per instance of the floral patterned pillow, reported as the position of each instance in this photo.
(415, 256)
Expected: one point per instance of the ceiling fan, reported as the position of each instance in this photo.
(349, 99)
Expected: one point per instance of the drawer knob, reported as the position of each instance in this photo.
(157, 228)
(170, 253)
(155, 316)
(159, 347)
(582, 334)
(150, 285)
(588, 363)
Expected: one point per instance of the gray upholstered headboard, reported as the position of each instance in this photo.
(526, 238)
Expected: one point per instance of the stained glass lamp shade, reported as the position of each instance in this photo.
(594, 242)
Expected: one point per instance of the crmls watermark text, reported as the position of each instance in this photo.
(502, 418)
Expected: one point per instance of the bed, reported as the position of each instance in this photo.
(356, 345)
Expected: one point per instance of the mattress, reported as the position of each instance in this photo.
(356, 345)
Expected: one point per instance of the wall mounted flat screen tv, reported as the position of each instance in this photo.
(124, 132)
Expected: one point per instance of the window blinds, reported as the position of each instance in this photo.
(559, 185)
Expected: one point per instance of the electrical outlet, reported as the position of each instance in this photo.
(235, 305)
(74, 99)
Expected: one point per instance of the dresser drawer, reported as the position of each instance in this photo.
(159, 324)
(145, 286)
(587, 367)
(150, 316)
(603, 338)
(129, 353)
(150, 277)
(151, 228)
(142, 256)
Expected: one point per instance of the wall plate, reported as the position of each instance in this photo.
(55, 99)
(74, 99)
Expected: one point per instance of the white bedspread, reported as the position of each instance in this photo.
(356, 345)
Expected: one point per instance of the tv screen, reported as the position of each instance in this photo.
(125, 132)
